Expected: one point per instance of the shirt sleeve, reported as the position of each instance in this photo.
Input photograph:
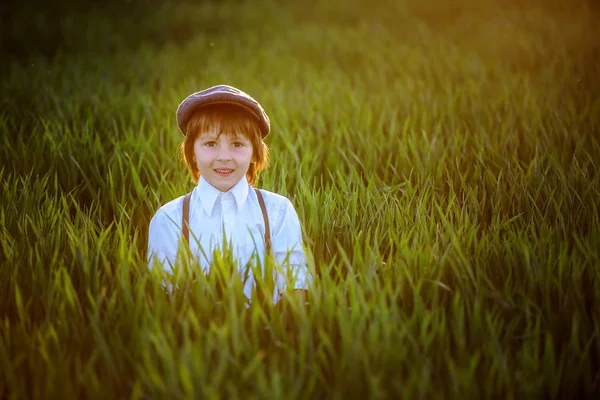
(287, 248)
(162, 242)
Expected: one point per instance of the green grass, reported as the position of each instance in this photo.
(443, 162)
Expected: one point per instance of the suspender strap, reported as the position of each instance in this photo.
(185, 219)
(263, 208)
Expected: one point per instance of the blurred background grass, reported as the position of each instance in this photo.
(442, 158)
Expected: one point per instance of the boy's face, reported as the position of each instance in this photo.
(223, 159)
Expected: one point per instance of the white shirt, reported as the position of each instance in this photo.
(238, 215)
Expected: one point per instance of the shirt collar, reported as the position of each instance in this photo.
(208, 194)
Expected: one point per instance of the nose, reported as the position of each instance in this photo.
(224, 154)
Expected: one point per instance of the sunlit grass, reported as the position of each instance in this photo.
(444, 168)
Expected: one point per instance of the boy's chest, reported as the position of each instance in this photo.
(242, 232)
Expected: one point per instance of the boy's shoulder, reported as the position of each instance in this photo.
(171, 209)
(274, 200)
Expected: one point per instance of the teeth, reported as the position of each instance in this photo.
(223, 170)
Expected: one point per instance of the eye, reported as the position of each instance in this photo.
(238, 144)
(210, 143)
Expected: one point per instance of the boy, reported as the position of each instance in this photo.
(224, 150)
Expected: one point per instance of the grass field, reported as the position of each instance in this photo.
(444, 162)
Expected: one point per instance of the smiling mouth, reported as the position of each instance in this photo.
(223, 171)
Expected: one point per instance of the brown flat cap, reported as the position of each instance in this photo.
(221, 94)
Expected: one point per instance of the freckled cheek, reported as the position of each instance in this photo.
(202, 151)
(246, 152)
